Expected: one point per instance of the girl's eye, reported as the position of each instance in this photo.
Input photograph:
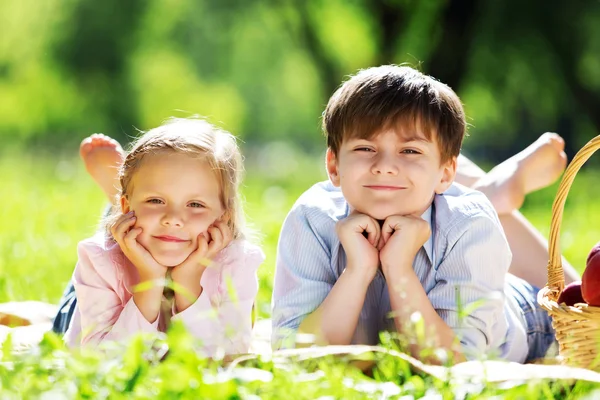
(195, 204)
(155, 201)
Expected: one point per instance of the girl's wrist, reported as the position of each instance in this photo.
(187, 276)
(152, 276)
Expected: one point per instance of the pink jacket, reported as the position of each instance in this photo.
(220, 318)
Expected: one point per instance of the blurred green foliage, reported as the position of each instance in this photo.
(265, 69)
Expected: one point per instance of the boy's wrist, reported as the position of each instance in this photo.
(359, 273)
(401, 266)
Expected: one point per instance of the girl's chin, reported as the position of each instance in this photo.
(170, 262)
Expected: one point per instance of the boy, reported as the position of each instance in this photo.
(390, 234)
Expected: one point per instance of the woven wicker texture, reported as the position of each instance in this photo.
(577, 327)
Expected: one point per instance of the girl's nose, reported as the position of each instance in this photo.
(172, 218)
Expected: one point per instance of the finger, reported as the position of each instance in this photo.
(123, 225)
(130, 238)
(380, 243)
(201, 251)
(389, 227)
(371, 227)
(226, 232)
(216, 242)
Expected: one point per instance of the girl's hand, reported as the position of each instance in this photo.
(126, 236)
(187, 275)
(216, 239)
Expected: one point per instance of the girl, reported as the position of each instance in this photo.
(179, 219)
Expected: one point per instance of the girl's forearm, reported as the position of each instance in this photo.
(148, 302)
(335, 320)
(187, 290)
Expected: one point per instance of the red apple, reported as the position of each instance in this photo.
(593, 251)
(590, 282)
(571, 294)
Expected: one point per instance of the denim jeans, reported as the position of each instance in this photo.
(540, 333)
(66, 309)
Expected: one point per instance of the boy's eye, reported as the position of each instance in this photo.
(364, 149)
(411, 151)
(195, 204)
(155, 201)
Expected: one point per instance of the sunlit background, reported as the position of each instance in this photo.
(264, 71)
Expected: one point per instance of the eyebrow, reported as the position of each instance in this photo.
(404, 139)
(415, 139)
(150, 192)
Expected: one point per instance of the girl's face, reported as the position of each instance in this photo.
(175, 198)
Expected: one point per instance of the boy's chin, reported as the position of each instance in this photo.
(379, 215)
(382, 213)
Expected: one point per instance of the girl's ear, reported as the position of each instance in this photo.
(226, 217)
(448, 174)
(125, 208)
(332, 167)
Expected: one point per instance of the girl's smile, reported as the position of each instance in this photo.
(176, 198)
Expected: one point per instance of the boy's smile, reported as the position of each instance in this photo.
(385, 187)
(392, 173)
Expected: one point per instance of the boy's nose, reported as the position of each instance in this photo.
(384, 165)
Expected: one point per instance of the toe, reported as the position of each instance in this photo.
(555, 140)
(86, 146)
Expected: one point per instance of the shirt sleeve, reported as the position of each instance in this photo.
(104, 314)
(303, 274)
(469, 290)
(225, 320)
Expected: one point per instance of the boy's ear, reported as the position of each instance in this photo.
(448, 174)
(125, 208)
(332, 167)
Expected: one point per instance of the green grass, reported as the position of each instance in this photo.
(50, 204)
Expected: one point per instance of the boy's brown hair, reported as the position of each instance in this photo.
(380, 98)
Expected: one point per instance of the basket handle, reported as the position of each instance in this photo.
(556, 277)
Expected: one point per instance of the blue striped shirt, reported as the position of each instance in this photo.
(467, 257)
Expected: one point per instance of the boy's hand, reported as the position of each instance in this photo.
(402, 237)
(361, 252)
(126, 236)
(217, 237)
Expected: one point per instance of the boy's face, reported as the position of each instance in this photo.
(393, 173)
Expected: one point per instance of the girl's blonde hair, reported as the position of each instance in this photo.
(196, 138)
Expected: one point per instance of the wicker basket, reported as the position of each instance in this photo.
(577, 327)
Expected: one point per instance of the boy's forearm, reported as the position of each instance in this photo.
(407, 296)
(335, 321)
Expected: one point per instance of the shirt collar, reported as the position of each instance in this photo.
(428, 246)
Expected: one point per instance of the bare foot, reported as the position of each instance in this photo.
(102, 157)
(536, 167)
(468, 173)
